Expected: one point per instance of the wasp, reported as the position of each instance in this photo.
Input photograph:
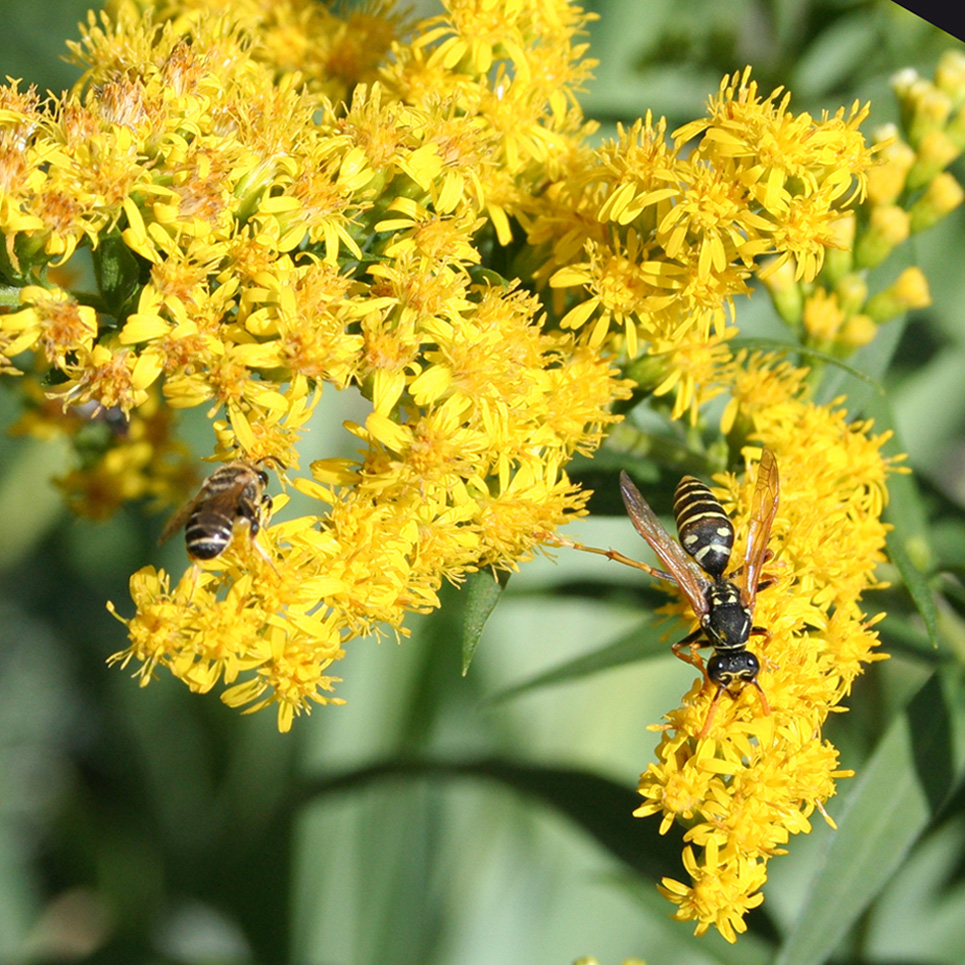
(723, 605)
(233, 494)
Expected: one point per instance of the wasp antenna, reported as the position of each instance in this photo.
(765, 706)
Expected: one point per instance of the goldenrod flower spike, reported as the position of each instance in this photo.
(746, 781)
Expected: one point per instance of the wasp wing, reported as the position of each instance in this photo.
(685, 572)
(763, 510)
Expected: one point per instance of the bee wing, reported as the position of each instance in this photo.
(222, 502)
(763, 510)
(227, 500)
(678, 564)
(179, 518)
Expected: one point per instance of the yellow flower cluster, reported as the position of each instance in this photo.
(269, 199)
(252, 243)
(756, 779)
(654, 241)
(909, 191)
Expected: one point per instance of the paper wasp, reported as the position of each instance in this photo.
(723, 605)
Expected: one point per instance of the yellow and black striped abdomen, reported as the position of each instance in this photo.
(703, 527)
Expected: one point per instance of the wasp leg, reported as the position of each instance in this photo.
(694, 643)
(609, 554)
(766, 634)
(708, 720)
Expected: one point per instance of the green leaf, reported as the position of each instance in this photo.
(640, 643)
(118, 272)
(483, 591)
(917, 586)
(916, 767)
(603, 808)
(909, 543)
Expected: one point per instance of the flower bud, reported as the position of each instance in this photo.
(907, 292)
(887, 227)
(886, 180)
(950, 75)
(935, 152)
(858, 331)
(785, 292)
(941, 197)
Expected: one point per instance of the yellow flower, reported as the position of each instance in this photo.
(823, 318)
(426, 235)
(54, 321)
(627, 290)
(695, 370)
(262, 241)
(647, 244)
(725, 887)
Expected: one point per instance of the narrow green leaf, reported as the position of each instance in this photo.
(603, 808)
(909, 543)
(814, 355)
(643, 641)
(483, 591)
(900, 634)
(917, 585)
(916, 767)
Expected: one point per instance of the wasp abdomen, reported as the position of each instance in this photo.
(706, 532)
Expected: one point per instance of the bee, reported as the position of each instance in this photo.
(723, 605)
(233, 494)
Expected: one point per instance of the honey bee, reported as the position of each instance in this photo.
(234, 493)
(724, 606)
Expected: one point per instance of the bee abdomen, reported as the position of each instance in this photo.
(705, 531)
(207, 535)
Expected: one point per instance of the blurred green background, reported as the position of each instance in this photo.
(425, 822)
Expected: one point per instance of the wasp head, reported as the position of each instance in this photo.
(726, 669)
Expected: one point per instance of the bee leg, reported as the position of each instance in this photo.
(609, 554)
(254, 523)
(260, 550)
(195, 577)
(264, 514)
(254, 528)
